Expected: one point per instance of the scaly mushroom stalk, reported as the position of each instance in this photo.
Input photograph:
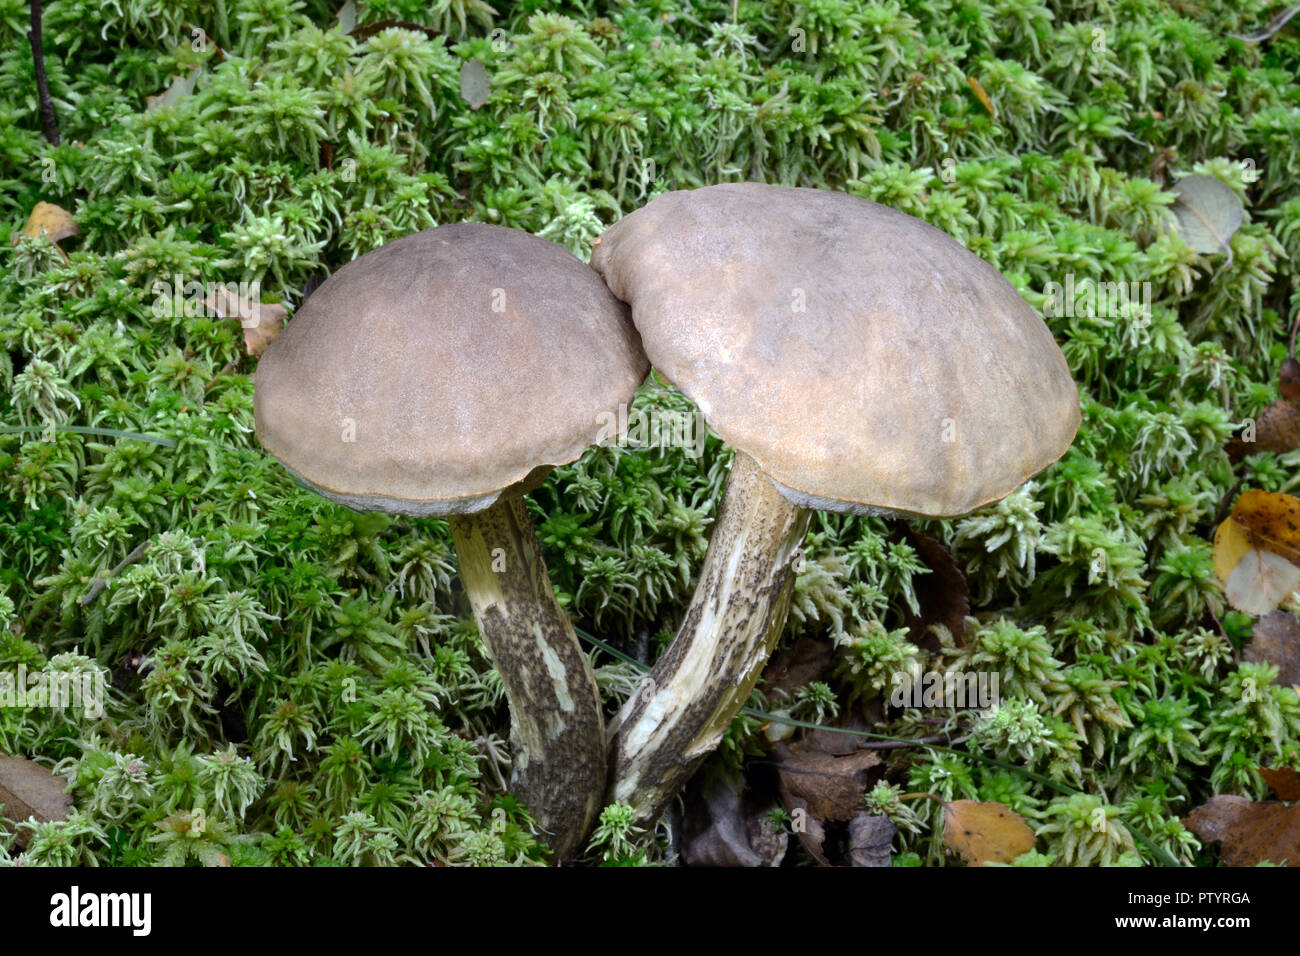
(864, 360)
(683, 707)
(362, 397)
(556, 724)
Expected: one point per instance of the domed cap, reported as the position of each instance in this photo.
(436, 372)
(867, 361)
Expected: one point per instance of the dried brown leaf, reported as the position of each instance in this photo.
(261, 323)
(871, 838)
(1251, 831)
(942, 595)
(1284, 781)
(1289, 380)
(833, 787)
(983, 97)
(807, 828)
(832, 741)
(1277, 429)
(810, 659)
(1275, 639)
(722, 828)
(29, 790)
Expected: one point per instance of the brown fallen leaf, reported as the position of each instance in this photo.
(261, 323)
(832, 786)
(1231, 542)
(1277, 429)
(833, 741)
(1251, 831)
(1275, 639)
(1284, 781)
(871, 838)
(722, 828)
(809, 659)
(807, 828)
(1289, 379)
(29, 790)
(943, 595)
(823, 778)
(985, 832)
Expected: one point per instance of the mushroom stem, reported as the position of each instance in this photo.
(556, 725)
(683, 707)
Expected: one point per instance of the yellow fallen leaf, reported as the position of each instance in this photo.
(1257, 551)
(1230, 545)
(985, 832)
(1271, 520)
(49, 221)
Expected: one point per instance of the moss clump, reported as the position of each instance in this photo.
(307, 681)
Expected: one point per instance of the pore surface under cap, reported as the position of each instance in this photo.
(458, 360)
(861, 356)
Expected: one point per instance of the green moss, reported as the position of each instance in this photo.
(308, 681)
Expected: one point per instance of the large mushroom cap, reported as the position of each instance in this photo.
(433, 373)
(866, 360)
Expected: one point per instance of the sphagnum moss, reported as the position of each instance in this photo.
(370, 726)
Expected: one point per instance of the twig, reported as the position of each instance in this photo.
(902, 744)
(1222, 511)
(48, 122)
(225, 370)
(101, 581)
(1277, 23)
(1236, 653)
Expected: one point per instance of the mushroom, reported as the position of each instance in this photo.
(444, 374)
(858, 360)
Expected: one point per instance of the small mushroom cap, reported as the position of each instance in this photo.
(867, 361)
(435, 373)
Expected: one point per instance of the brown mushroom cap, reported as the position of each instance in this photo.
(905, 339)
(451, 401)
